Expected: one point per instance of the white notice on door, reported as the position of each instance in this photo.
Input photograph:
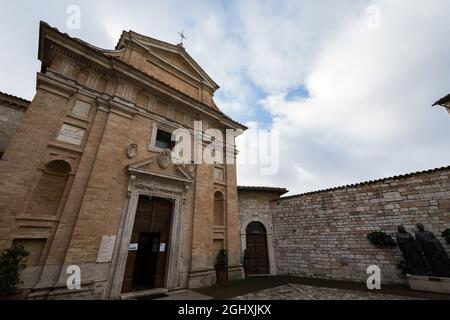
(106, 250)
(133, 246)
(162, 247)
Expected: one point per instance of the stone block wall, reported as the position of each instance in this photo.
(11, 112)
(324, 234)
(256, 206)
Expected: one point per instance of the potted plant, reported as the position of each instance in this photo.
(446, 235)
(246, 262)
(221, 266)
(11, 265)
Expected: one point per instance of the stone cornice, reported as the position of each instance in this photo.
(91, 57)
(149, 41)
(167, 66)
(13, 102)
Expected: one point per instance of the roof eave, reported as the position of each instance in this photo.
(278, 191)
(47, 32)
(181, 50)
(442, 101)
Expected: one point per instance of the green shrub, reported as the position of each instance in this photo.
(222, 260)
(11, 265)
(446, 235)
(381, 238)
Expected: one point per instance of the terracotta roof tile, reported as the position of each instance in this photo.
(279, 191)
(408, 175)
(14, 97)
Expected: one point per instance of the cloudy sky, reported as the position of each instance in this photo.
(348, 85)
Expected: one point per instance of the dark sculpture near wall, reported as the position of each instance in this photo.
(411, 254)
(433, 252)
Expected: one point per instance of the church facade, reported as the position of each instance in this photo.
(88, 185)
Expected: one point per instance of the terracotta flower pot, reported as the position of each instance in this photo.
(222, 275)
(16, 295)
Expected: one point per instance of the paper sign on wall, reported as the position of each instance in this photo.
(133, 246)
(162, 247)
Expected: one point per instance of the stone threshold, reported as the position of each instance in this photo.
(429, 284)
(144, 293)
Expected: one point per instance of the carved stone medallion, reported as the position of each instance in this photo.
(164, 158)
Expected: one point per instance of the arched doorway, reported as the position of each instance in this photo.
(258, 257)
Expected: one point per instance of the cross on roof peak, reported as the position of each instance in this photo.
(182, 36)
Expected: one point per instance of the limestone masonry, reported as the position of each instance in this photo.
(323, 234)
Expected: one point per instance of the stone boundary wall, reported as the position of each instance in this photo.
(324, 234)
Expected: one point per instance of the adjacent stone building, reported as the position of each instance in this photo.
(444, 102)
(256, 205)
(86, 180)
(323, 234)
(11, 111)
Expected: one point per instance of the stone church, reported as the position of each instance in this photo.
(85, 180)
(86, 184)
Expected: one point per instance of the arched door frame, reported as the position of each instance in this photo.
(269, 236)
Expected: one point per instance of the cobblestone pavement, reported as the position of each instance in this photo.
(304, 292)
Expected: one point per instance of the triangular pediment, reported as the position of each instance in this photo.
(175, 56)
(151, 167)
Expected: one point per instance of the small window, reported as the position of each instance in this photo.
(218, 213)
(164, 140)
(218, 174)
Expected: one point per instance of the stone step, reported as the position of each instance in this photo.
(144, 293)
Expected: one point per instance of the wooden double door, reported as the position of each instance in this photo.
(148, 250)
(258, 256)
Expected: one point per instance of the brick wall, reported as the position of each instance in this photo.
(87, 118)
(323, 234)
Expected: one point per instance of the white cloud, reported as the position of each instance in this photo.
(368, 114)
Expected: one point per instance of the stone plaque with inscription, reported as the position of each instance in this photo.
(218, 174)
(106, 250)
(71, 134)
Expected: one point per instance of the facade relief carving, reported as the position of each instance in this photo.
(132, 151)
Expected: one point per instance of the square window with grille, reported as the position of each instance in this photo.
(164, 140)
